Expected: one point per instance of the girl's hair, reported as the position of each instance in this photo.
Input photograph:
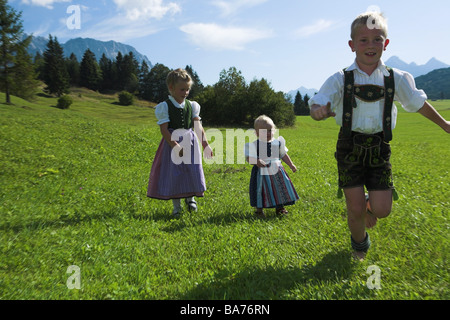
(178, 75)
(372, 20)
(263, 119)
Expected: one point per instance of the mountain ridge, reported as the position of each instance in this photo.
(79, 45)
(413, 68)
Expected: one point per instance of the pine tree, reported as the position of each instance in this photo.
(73, 69)
(13, 47)
(109, 73)
(55, 74)
(24, 82)
(197, 87)
(90, 73)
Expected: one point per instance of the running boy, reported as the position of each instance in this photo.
(361, 97)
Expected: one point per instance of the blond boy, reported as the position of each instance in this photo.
(360, 98)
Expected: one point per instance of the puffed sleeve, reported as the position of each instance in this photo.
(250, 150)
(195, 110)
(283, 148)
(162, 113)
(411, 98)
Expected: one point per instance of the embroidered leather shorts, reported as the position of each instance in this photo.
(363, 159)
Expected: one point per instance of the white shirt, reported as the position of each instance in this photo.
(368, 116)
(162, 110)
(278, 149)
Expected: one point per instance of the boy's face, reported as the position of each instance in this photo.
(180, 91)
(369, 45)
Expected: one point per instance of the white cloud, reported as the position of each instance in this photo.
(318, 27)
(230, 7)
(44, 3)
(214, 37)
(145, 9)
(116, 28)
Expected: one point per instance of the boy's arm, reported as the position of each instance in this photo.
(429, 112)
(289, 162)
(319, 112)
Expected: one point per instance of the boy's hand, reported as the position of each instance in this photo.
(294, 168)
(447, 127)
(322, 112)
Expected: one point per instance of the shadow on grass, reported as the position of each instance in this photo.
(274, 283)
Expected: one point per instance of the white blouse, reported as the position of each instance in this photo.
(368, 116)
(162, 110)
(278, 149)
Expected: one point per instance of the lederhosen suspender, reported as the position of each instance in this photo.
(350, 101)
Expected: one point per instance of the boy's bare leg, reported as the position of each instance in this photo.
(356, 212)
(356, 217)
(380, 206)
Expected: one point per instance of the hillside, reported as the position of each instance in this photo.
(436, 84)
(73, 193)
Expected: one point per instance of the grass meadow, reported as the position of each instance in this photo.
(73, 193)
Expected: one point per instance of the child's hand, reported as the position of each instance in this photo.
(261, 164)
(178, 149)
(207, 152)
(447, 127)
(322, 112)
(294, 168)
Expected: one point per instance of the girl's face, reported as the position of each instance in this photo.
(369, 45)
(180, 91)
(265, 132)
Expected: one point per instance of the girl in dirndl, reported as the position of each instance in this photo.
(270, 185)
(177, 170)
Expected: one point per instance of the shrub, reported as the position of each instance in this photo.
(126, 98)
(64, 102)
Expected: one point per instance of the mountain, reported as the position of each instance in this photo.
(79, 45)
(436, 84)
(415, 69)
(303, 92)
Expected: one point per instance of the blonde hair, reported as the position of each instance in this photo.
(178, 75)
(262, 120)
(372, 20)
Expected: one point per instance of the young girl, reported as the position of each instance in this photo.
(270, 186)
(177, 170)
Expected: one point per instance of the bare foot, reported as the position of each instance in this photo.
(358, 255)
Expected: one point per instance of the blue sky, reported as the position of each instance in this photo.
(291, 43)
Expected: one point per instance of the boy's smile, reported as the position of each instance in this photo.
(369, 45)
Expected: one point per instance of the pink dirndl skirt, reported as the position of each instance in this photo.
(169, 180)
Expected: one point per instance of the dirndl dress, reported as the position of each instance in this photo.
(270, 187)
(174, 177)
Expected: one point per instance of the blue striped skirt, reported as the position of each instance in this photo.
(271, 190)
(171, 180)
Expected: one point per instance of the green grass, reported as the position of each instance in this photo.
(73, 192)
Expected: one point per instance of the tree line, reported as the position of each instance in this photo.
(231, 101)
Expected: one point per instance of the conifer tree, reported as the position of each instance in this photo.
(90, 73)
(13, 46)
(73, 69)
(55, 74)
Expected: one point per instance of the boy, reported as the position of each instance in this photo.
(360, 97)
